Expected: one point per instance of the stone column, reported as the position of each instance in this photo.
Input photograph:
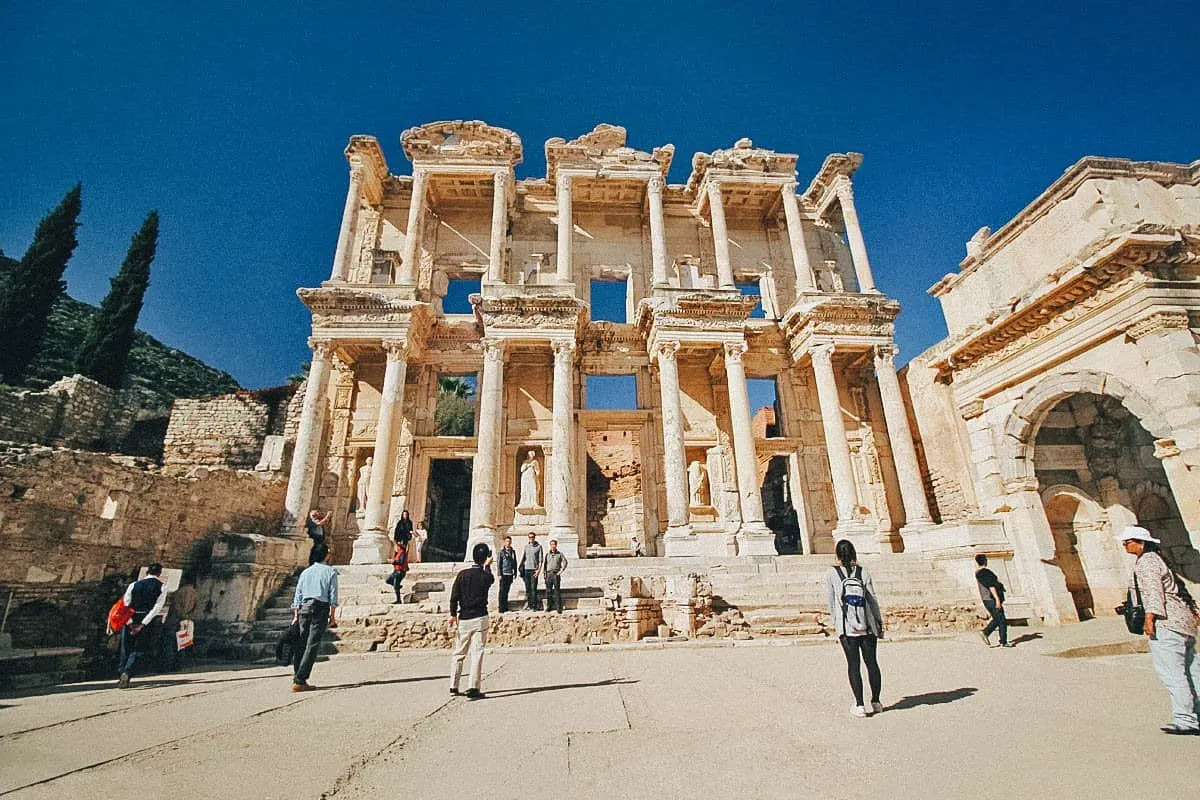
(562, 524)
(565, 228)
(658, 229)
(485, 467)
(904, 453)
(302, 478)
(795, 229)
(499, 225)
(840, 467)
(345, 242)
(854, 237)
(674, 457)
(373, 545)
(1184, 486)
(754, 537)
(716, 210)
(412, 238)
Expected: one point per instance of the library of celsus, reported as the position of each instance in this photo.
(707, 369)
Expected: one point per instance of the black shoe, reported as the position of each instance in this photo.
(1179, 730)
(474, 694)
(123, 681)
(1008, 644)
(455, 692)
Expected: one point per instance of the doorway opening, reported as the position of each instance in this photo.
(778, 509)
(615, 509)
(448, 509)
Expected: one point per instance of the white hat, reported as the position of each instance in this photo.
(1133, 532)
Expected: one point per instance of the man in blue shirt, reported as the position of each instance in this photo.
(313, 607)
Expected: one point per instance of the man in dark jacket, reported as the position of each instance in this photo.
(507, 564)
(468, 610)
(147, 598)
(991, 592)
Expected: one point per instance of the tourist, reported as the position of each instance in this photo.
(315, 526)
(531, 568)
(314, 607)
(419, 536)
(1171, 622)
(635, 546)
(404, 529)
(555, 564)
(507, 563)
(991, 592)
(855, 613)
(146, 597)
(468, 610)
(399, 569)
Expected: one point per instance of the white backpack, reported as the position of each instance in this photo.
(854, 603)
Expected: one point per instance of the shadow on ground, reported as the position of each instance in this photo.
(559, 686)
(932, 698)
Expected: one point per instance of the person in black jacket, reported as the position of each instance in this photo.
(404, 529)
(507, 563)
(468, 610)
(991, 592)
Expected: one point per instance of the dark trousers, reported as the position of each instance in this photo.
(131, 648)
(506, 582)
(853, 646)
(397, 579)
(554, 599)
(531, 591)
(314, 619)
(998, 621)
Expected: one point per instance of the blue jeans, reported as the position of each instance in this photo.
(1175, 660)
(998, 621)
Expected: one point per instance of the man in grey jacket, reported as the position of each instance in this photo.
(555, 564)
(531, 568)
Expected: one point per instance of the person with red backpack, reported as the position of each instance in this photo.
(145, 600)
(859, 623)
(399, 568)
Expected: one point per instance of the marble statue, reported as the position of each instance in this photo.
(364, 481)
(698, 483)
(529, 481)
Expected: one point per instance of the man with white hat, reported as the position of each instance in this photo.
(1171, 623)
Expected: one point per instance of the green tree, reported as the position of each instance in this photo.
(104, 354)
(455, 411)
(28, 292)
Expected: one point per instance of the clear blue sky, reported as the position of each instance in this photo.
(231, 123)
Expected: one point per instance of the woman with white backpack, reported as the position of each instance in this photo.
(855, 614)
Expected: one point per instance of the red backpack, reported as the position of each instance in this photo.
(119, 615)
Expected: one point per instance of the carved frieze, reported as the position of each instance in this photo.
(461, 140)
(518, 312)
(339, 306)
(603, 149)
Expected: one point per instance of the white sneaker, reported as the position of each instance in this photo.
(876, 707)
(858, 711)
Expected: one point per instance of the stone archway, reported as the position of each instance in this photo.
(1074, 518)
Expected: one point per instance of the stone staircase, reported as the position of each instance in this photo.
(765, 596)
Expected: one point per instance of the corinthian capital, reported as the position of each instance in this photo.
(396, 349)
(885, 354)
(666, 351)
(564, 349)
(321, 348)
(563, 183)
(655, 184)
(493, 350)
(822, 354)
(501, 181)
(843, 189)
(734, 351)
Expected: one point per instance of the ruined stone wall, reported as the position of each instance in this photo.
(229, 430)
(615, 510)
(73, 412)
(76, 526)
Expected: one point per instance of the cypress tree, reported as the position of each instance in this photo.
(104, 354)
(30, 289)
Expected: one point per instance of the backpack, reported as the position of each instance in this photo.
(854, 603)
(119, 615)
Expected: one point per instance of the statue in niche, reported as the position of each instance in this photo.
(530, 473)
(698, 483)
(364, 481)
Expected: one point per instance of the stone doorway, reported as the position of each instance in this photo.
(448, 509)
(615, 506)
(778, 509)
(1097, 473)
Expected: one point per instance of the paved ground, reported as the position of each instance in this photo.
(759, 721)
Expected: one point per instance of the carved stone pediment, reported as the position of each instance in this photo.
(461, 141)
(836, 165)
(843, 315)
(611, 337)
(742, 158)
(716, 311)
(604, 150)
(342, 306)
(529, 312)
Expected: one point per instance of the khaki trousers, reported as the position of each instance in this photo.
(472, 636)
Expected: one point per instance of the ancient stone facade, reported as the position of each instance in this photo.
(693, 262)
(231, 430)
(1065, 403)
(75, 412)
